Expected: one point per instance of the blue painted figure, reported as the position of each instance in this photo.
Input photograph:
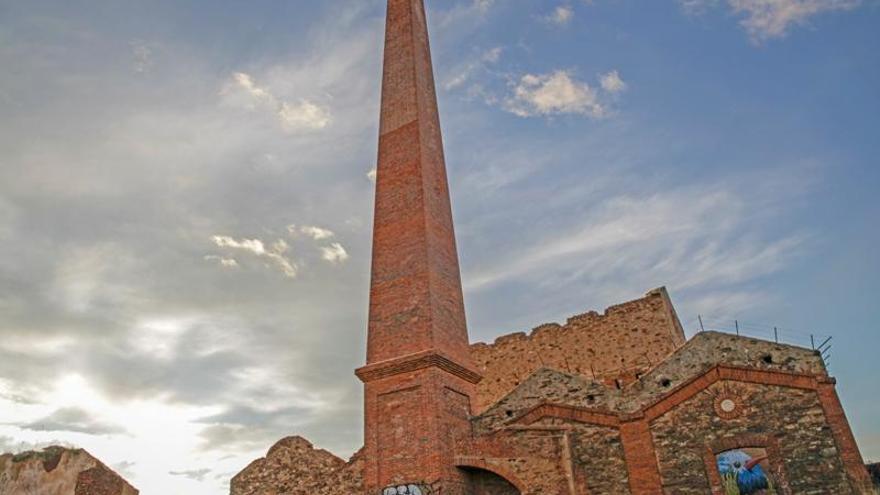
(750, 477)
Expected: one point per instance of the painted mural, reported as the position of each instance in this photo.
(745, 472)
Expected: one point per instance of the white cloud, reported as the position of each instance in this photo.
(276, 253)
(612, 83)
(334, 253)
(254, 246)
(316, 233)
(766, 19)
(561, 15)
(372, 174)
(304, 114)
(301, 115)
(555, 93)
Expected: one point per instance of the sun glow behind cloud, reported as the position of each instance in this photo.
(161, 435)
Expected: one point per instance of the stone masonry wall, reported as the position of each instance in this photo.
(627, 340)
(59, 471)
(789, 423)
(597, 458)
(294, 466)
(874, 471)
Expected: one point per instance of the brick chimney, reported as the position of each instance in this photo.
(419, 376)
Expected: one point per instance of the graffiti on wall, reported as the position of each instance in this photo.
(745, 472)
(404, 490)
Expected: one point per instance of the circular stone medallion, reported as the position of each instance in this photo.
(728, 406)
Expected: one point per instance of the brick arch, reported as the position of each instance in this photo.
(500, 471)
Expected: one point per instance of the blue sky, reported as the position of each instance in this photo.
(185, 200)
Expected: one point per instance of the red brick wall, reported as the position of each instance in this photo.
(416, 302)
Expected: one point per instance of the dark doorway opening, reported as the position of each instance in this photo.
(482, 482)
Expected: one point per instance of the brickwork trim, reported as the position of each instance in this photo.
(485, 464)
(416, 362)
(675, 397)
(732, 373)
(853, 463)
(572, 413)
(641, 458)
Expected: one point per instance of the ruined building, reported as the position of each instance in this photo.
(615, 403)
(59, 471)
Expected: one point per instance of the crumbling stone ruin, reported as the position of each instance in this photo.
(59, 471)
(293, 465)
(617, 404)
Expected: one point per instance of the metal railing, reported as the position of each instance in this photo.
(811, 340)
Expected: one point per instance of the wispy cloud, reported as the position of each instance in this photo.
(275, 252)
(223, 261)
(303, 114)
(464, 73)
(767, 19)
(674, 236)
(561, 15)
(73, 419)
(193, 474)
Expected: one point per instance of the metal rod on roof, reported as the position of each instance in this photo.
(776, 334)
(700, 317)
(737, 326)
(812, 342)
(823, 343)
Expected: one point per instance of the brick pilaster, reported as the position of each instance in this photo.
(843, 437)
(641, 460)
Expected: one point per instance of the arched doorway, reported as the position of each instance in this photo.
(483, 482)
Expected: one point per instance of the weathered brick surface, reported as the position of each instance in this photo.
(627, 340)
(294, 466)
(416, 302)
(419, 377)
(59, 471)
